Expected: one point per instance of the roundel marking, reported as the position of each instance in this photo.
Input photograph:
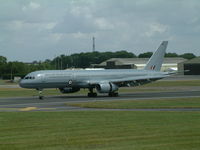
(70, 82)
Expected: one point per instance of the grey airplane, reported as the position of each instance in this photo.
(104, 81)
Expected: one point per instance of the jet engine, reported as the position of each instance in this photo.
(69, 89)
(106, 87)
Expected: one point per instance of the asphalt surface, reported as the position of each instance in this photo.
(58, 103)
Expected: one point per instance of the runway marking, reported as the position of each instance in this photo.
(46, 108)
(28, 108)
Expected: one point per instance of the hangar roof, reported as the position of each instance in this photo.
(192, 61)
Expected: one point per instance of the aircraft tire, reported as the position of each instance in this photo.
(41, 97)
(92, 94)
(113, 94)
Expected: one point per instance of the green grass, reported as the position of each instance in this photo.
(95, 130)
(140, 104)
(6, 82)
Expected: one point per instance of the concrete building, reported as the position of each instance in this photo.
(138, 63)
(190, 67)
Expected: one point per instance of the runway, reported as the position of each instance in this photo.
(57, 103)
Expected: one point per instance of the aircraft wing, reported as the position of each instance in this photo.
(130, 81)
(137, 78)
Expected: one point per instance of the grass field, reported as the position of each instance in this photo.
(153, 87)
(140, 104)
(95, 130)
(104, 130)
(6, 82)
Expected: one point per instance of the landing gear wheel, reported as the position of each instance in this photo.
(113, 94)
(41, 97)
(92, 94)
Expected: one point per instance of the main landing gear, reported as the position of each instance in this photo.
(91, 93)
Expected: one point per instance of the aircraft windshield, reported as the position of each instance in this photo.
(29, 77)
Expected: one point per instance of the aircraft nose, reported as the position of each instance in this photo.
(22, 84)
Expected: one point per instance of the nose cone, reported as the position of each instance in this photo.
(23, 84)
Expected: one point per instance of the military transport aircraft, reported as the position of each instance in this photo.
(104, 81)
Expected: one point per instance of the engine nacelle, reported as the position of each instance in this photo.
(106, 87)
(69, 89)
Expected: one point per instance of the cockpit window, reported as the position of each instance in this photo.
(29, 77)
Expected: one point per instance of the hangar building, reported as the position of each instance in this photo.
(190, 67)
(138, 63)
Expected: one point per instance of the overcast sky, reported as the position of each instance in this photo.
(42, 29)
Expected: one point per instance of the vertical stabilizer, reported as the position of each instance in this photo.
(156, 60)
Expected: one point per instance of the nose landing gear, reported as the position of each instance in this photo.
(41, 97)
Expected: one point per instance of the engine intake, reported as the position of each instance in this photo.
(106, 87)
(69, 89)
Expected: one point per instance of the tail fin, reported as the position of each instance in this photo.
(156, 60)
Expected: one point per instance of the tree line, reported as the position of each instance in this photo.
(9, 69)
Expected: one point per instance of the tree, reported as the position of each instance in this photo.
(171, 55)
(84, 60)
(124, 54)
(188, 55)
(3, 60)
(145, 55)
